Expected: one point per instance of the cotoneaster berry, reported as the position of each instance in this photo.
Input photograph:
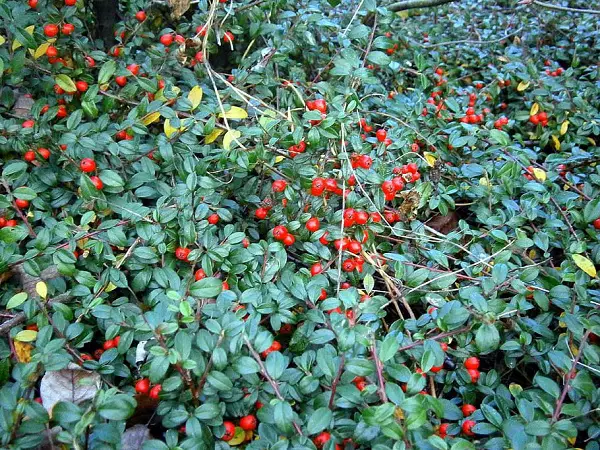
(248, 423)
(142, 386)
(182, 253)
(155, 391)
(140, 16)
(87, 165)
(229, 431)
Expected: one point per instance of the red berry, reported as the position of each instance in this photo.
(248, 422)
(133, 68)
(289, 240)
(97, 182)
(318, 186)
(22, 204)
(323, 239)
(62, 112)
(596, 224)
(313, 224)
(348, 265)
(87, 165)
(199, 275)
(280, 232)
(472, 363)
(182, 253)
(67, 29)
(51, 30)
(142, 386)
(466, 427)
(474, 374)
(381, 135)
(81, 86)
(121, 80)
(30, 156)
(70, 2)
(229, 431)
(467, 409)
(279, 185)
(320, 105)
(28, 124)
(166, 39)
(140, 16)
(261, 213)
(51, 51)
(321, 439)
(109, 344)
(155, 391)
(316, 269)
(213, 219)
(33, 4)
(228, 37)
(443, 430)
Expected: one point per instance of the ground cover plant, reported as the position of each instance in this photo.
(299, 225)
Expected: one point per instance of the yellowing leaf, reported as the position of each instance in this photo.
(26, 336)
(585, 264)
(534, 109)
(42, 289)
(169, 130)
(539, 174)
(522, 86)
(16, 300)
(515, 389)
(2, 40)
(65, 82)
(16, 44)
(483, 181)
(150, 118)
(230, 136)
(214, 134)
(40, 51)
(430, 158)
(235, 113)
(278, 159)
(23, 351)
(238, 438)
(556, 143)
(564, 127)
(110, 287)
(591, 141)
(195, 96)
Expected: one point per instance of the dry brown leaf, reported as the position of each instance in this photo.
(178, 7)
(133, 438)
(444, 224)
(23, 351)
(72, 384)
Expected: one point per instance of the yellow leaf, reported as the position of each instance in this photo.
(278, 159)
(2, 40)
(585, 264)
(238, 438)
(564, 127)
(403, 14)
(23, 351)
(41, 289)
(534, 109)
(214, 134)
(150, 118)
(483, 181)
(110, 287)
(26, 336)
(430, 158)
(230, 136)
(556, 143)
(195, 96)
(515, 389)
(593, 142)
(235, 112)
(522, 86)
(169, 130)
(539, 174)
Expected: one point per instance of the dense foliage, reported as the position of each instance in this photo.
(281, 225)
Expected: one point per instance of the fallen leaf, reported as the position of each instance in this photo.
(23, 351)
(214, 134)
(72, 384)
(230, 136)
(235, 113)
(585, 264)
(133, 438)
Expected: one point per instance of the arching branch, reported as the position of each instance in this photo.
(412, 4)
(564, 8)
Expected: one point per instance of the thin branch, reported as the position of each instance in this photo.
(437, 337)
(379, 369)
(263, 371)
(564, 8)
(413, 4)
(336, 381)
(474, 42)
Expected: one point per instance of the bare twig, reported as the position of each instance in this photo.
(336, 381)
(379, 369)
(563, 8)
(413, 4)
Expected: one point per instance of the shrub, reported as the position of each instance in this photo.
(314, 225)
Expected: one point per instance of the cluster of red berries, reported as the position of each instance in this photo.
(354, 217)
(435, 99)
(539, 118)
(472, 364)
(352, 264)
(317, 105)
(30, 155)
(7, 222)
(321, 185)
(440, 73)
(504, 83)
(392, 49)
(500, 122)
(295, 150)
(360, 383)
(281, 233)
(471, 117)
(142, 386)
(362, 161)
(555, 73)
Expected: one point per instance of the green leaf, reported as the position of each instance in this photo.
(24, 193)
(65, 82)
(219, 381)
(117, 407)
(206, 288)
(487, 338)
(388, 348)
(378, 58)
(107, 71)
(16, 300)
(319, 420)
